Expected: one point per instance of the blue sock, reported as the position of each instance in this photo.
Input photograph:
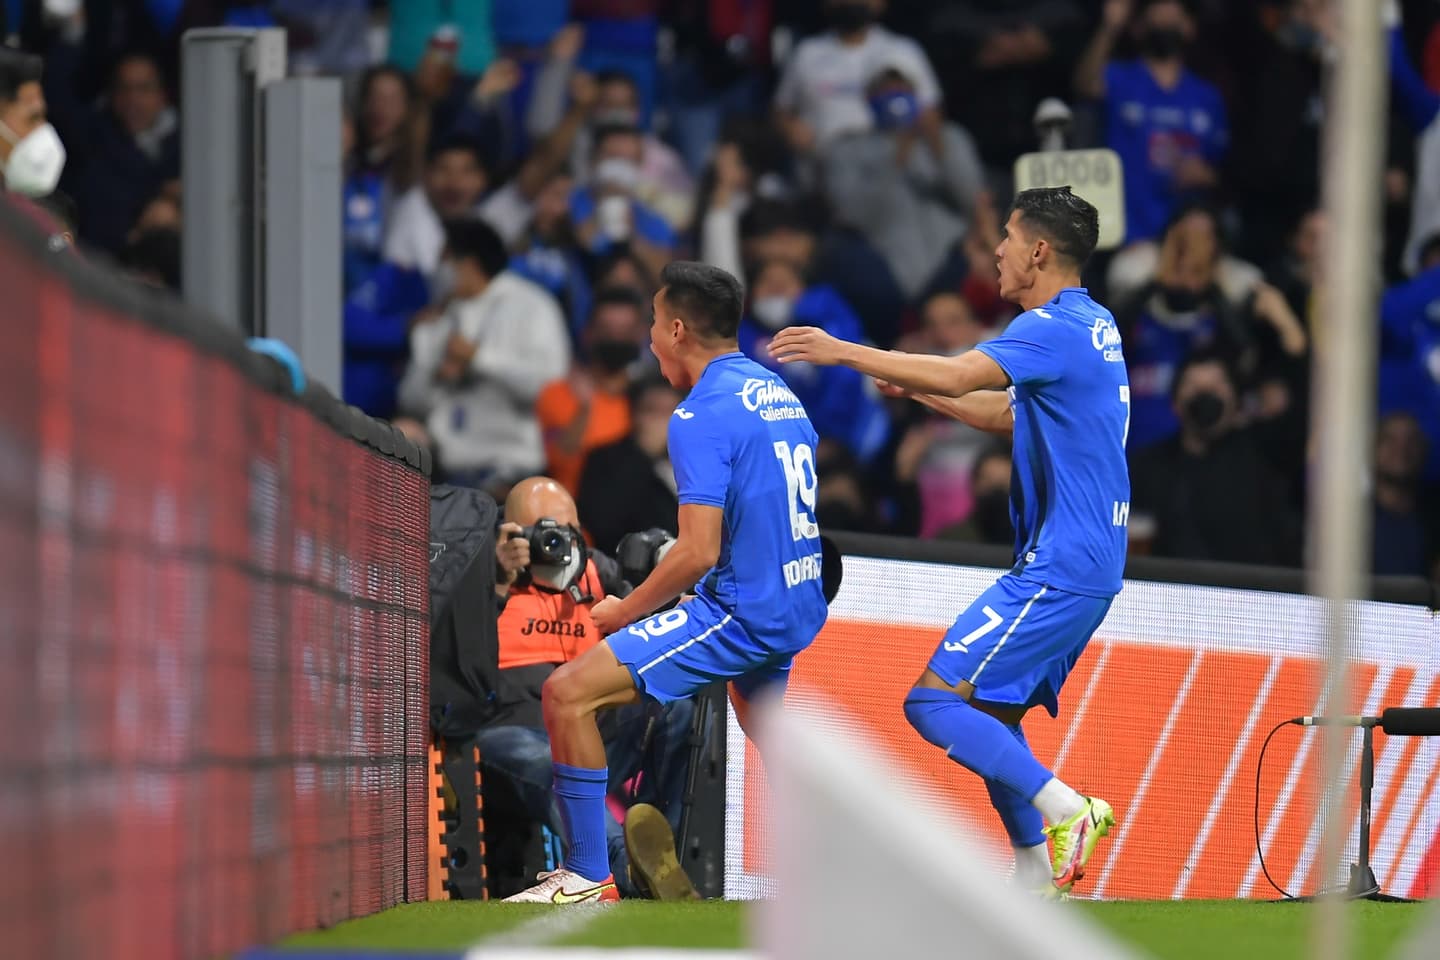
(1023, 823)
(581, 792)
(975, 740)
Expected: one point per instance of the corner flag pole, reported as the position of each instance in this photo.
(1344, 401)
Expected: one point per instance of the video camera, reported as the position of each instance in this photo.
(639, 553)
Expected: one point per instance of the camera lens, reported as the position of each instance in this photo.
(552, 544)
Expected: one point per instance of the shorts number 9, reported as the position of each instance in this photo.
(663, 623)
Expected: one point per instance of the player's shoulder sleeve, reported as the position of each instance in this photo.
(1031, 351)
(701, 454)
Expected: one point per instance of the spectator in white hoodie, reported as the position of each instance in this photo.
(475, 372)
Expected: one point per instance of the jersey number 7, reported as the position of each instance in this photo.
(801, 482)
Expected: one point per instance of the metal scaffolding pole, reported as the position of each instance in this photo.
(221, 260)
(1344, 405)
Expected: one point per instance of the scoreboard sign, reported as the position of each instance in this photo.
(1093, 174)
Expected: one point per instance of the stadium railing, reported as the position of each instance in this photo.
(213, 631)
(1164, 716)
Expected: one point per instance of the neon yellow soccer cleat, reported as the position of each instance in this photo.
(1073, 841)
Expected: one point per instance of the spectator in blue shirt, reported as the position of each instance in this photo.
(843, 406)
(1168, 125)
(606, 212)
(1410, 350)
(548, 254)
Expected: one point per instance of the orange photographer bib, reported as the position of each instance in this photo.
(537, 626)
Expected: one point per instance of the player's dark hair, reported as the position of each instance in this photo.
(707, 299)
(474, 239)
(1068, 222)
(17, 68)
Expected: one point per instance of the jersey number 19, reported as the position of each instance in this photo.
(801, 482)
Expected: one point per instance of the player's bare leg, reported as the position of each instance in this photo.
(994, 747)
(572, 696)
(575, 692)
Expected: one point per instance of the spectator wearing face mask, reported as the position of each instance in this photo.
(476, 371)
(31, 155)
(590, 408)
(1406, 531)
(822, 91)
(663, 182)
(630, 485)
(607, 212)
(1186, 309)
(912, 202)
(830, 254)
(1168, 125)
(1209, 492)
(842, 404)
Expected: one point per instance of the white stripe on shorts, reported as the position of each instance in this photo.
(1015, 623)
(686, 645)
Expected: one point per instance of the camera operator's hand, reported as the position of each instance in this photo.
(512, 554)
(607, 616)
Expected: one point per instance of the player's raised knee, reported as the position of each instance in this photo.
(563, 695)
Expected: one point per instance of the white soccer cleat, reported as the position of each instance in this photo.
(566, 886)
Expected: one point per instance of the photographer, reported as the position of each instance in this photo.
(547, 582)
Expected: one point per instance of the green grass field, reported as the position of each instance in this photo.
(1196, 930)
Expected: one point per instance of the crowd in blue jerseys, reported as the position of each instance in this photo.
(850, 161)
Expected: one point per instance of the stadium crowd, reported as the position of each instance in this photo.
(516, 172)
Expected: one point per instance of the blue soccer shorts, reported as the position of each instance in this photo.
(1018, 642)
(675, 653)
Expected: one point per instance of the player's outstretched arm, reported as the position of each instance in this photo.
(919, 373)
(696, 550)
(987, 410)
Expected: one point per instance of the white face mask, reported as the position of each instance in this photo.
(618, 174)
(772, 312)
(35, 161)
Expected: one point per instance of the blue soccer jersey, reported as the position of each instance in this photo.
(1070, 488)
(741, 441)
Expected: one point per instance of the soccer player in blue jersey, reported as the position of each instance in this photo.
(1056, 380)
(743, 452)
